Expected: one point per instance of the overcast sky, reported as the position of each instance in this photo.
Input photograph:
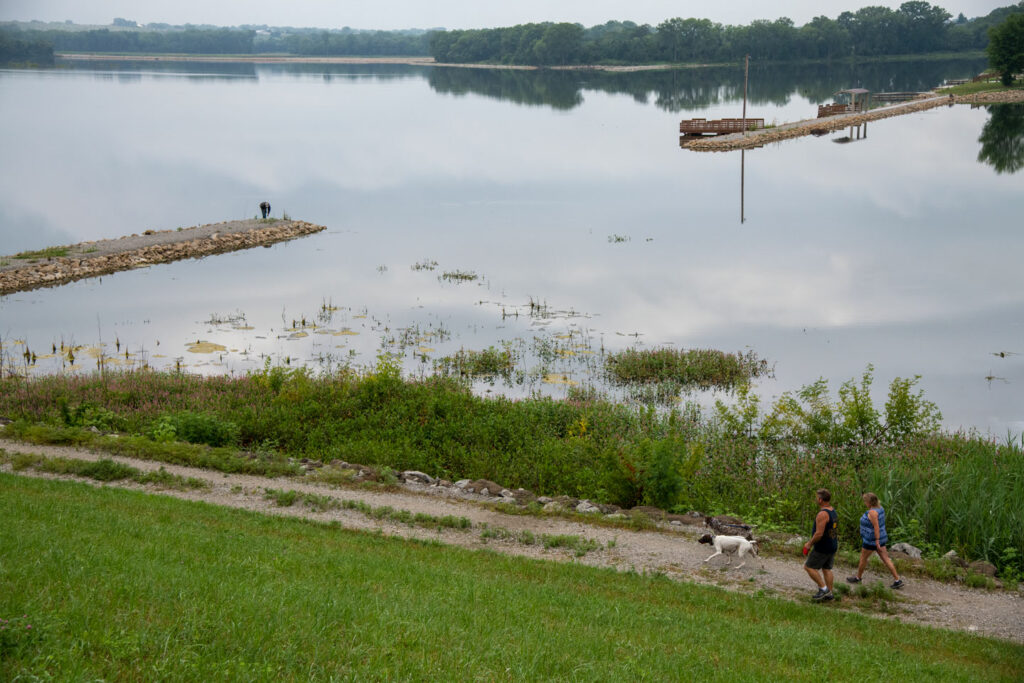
(396, 14)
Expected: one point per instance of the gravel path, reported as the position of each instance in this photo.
(673, 551)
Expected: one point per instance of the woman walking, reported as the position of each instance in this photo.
(873, 540)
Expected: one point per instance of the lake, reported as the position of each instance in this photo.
(566, 196)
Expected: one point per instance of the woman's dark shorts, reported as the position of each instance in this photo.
(870, 546)
(816, 560)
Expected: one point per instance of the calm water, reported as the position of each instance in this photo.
(901, 250)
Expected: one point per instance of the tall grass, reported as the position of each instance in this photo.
(941, 491)
(119, 585)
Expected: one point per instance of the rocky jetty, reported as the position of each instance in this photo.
(90, 259)
(764, 136)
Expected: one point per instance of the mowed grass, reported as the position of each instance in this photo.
(123, 585)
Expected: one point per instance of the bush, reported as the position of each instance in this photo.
(198, 428)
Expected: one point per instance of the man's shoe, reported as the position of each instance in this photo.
(822, 594)
(898, 583)
(852, 579)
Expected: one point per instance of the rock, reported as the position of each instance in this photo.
(443, 482)
(414, 475)
(553, 506)
(505, 493)
(586, 507)
(462, 483)
(544, 500)
(617, 515)
(955, 559)
(608, 509)
(983, 567)
(908, 549)
(524, 497)
(676, 522)
(688, 519)
(487, 487)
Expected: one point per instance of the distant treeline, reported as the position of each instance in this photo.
(216, 41)
(14, 50)
(235, 41)
(917, 27)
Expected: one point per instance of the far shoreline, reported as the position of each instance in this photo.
(431, 62)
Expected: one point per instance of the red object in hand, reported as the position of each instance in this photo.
(805, 550)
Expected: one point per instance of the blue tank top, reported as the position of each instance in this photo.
(829, 542)
(867, 530)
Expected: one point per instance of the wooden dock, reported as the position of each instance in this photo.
(702, 127)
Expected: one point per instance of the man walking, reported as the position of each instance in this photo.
(265, 208)
(821, 549)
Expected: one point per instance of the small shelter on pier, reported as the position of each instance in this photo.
(848, 101)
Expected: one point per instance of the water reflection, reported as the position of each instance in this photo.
(1002, 138)
(688, 89)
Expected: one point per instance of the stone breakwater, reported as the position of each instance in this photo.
(92, 259)
(759, 138)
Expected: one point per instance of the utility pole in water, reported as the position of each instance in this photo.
(746, 71)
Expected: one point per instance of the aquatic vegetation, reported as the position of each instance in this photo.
(459, 276)
(425, 264)
(486, 363)
(205, 347)
(699, 368)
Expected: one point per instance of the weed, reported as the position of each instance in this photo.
(49, 252)
(979, 581)
(459, 276)
(579, 545)
(425, 264)
(282, 498)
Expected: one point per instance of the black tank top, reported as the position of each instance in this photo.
(829, 542)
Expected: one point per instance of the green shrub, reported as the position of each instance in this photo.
(199, 428)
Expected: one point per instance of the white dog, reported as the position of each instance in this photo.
(729, 546)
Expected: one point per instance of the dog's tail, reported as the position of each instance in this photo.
(754, 546)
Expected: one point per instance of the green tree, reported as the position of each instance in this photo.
(1002, 138)
(560, 44)
(1006, 47)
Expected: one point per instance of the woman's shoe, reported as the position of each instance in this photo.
(852, 579)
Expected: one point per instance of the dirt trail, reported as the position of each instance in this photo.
(673, 551)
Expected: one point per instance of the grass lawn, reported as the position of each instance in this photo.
(129, 586)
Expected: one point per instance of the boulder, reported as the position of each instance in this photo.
(486, 487)
(586, 507)
(983, 567)
(955, 559)
(910, 550)
(524, 497)
(544, 500)
(462, 483)
(553, 506)
(416, 476)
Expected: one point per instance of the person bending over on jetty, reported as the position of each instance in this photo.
(265, 208)
(874, 539)
(821, 549)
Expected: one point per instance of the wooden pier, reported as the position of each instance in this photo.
(702, 127)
